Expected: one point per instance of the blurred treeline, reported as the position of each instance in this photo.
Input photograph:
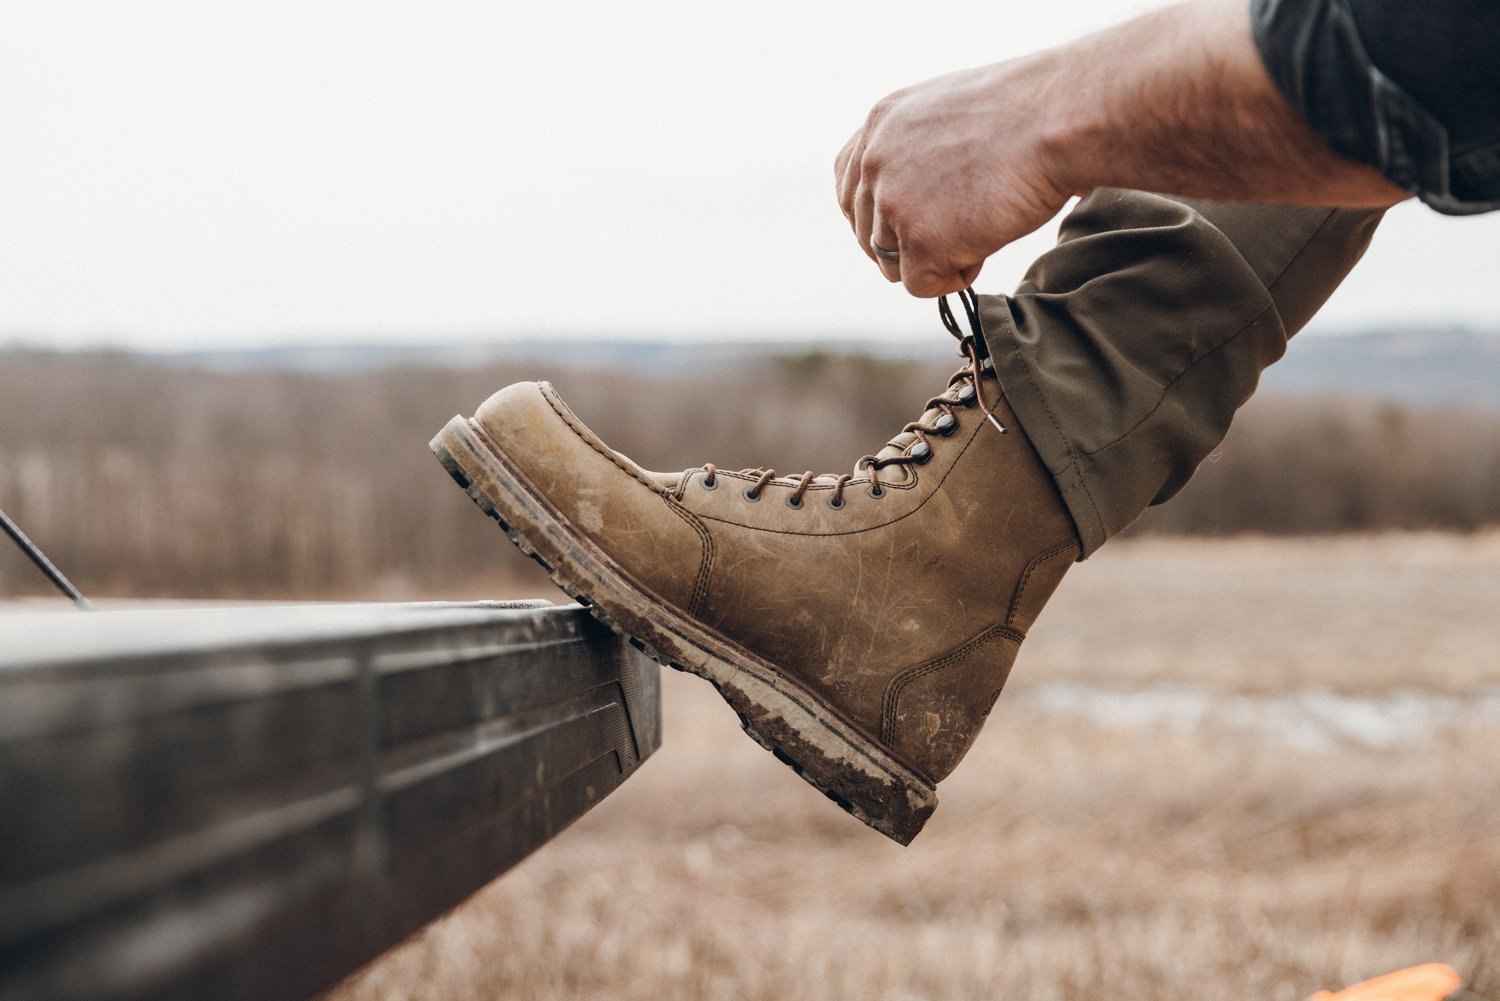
(140, 479)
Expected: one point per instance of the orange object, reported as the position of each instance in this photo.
(1429, 982)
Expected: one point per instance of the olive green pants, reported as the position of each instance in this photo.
(1129, 346)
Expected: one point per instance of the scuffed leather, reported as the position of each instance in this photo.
(602, 494)
(853, 602)
(933, 711)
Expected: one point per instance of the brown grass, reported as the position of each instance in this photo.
(143, 480)
(1349, 613)
(1070, 859)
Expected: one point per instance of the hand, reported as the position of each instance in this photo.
(949, 171)
(1176, 100)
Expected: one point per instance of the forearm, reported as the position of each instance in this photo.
(1178, 101)
(944, 173)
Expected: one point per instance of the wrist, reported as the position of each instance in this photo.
(1072, 120)
(1124, 104)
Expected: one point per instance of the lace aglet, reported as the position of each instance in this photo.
(998, 426)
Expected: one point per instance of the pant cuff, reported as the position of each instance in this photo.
(1038, 421)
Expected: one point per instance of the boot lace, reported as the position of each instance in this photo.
(965, 389)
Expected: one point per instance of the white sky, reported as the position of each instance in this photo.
(191, 173)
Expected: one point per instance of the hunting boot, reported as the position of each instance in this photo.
(861, 625)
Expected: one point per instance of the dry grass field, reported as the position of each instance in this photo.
(1231, 769)
(146, 480)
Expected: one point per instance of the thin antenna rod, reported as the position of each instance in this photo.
(43, 564)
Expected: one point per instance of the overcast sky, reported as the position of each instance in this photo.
(191, 173)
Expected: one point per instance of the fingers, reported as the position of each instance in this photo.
(875, 225)
(882, 237)
(857, 200)
(864, 220)
(847, 172)
(922, 262)
(926, 280)
(840, 169)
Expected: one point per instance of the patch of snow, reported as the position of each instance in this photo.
(1305, 720)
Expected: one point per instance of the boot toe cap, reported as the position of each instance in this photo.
(597, 493)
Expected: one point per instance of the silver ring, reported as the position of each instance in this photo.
(882, 253)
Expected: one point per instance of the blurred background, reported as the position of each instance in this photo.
(252, 255)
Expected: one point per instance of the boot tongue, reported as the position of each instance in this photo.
(897, 445)
(903, 441)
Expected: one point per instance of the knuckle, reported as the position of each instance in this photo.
(892, 211)
(863, 193)
(883, 106)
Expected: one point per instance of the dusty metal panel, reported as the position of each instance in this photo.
(251, 802)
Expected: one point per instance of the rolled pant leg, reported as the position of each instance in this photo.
(1129, 346)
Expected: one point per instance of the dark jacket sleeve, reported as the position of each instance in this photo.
(1411, 87)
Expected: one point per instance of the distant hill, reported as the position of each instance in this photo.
(645, 357)
(1449, 365)
(1458, 366)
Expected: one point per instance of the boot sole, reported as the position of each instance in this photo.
(778, 713)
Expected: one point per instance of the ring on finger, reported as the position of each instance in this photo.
(883, 253)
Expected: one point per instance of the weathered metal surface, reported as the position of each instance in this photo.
(251, 802)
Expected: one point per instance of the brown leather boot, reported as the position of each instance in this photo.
(861, 625)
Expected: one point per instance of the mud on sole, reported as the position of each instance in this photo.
(779, 714)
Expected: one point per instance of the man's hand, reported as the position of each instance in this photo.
(948, 172)
(1177, 101)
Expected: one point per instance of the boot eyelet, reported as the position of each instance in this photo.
(921, 453)
(750, 495)
(877, 491)
(946, 425)
(795, 503)
(709, 483)
(967, 396)
(837, 503)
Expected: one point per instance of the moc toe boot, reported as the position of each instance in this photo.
(861, 625)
